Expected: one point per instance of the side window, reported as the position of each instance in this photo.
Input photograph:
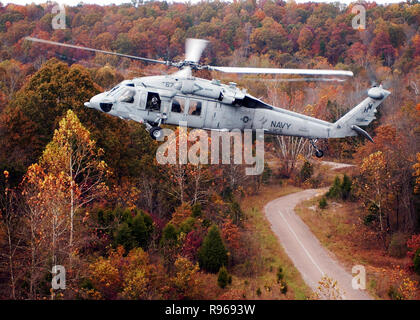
(178, 105)
(143, 100)
(195, 108)
(153, 101)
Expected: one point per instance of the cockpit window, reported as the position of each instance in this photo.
(127, 96)
(113, 89)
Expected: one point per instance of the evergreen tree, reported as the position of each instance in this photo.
(280, 274)
(335, 190)
(134, 232)
(306, 171)
(196, 210)
(345, 187)
(267, 174)
(141, 229)
(223, 277)
(236, 212)
(212, 254)
(323, 203)
(124, 237)
(169, 234)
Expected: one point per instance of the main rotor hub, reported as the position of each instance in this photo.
(192, 64)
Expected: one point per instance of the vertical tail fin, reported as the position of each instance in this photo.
(361, 115)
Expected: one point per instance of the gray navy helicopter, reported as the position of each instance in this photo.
(212, 105)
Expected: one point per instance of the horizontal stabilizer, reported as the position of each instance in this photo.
(361, 132)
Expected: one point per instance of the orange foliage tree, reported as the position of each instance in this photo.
(69, 176)
(73, 156)
(121, 276)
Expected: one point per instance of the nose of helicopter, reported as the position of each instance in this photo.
(98, 102)
(93, 102)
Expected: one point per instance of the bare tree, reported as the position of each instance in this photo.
(11, 228)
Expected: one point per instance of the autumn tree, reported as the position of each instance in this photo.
(374, 187)
(398, 154)
(186, 281)
(382, 48)
(47, 225)
(74, 156)
(121, 276)
(107, 77)
(181, 213)
(417, 174)
(230, 232)
(192, 244)
(69, 176)
(11, 237)
(12, 74)
(48, 95)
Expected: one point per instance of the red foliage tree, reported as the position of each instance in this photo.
(192, 243)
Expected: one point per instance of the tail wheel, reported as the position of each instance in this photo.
(156, 133)
(319, 153)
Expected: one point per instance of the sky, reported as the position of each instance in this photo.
(105, 2)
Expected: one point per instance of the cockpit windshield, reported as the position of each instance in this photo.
(127, 96)
(113, 91)
(118, 87)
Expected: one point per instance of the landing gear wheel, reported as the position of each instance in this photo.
(156, 133)
(319, 153)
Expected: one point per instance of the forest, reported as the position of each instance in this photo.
(82, 189)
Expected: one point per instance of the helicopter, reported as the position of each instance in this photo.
(211, 105)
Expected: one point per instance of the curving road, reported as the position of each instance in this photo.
(308, 255)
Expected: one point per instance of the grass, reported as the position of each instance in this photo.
(339, 229)
(272, 255)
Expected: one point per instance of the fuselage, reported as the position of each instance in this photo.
(201, 103)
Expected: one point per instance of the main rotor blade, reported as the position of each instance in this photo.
(96, 50)
(297, 80)
(194, 48)
(306, 72)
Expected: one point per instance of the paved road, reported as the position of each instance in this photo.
(308, 255)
